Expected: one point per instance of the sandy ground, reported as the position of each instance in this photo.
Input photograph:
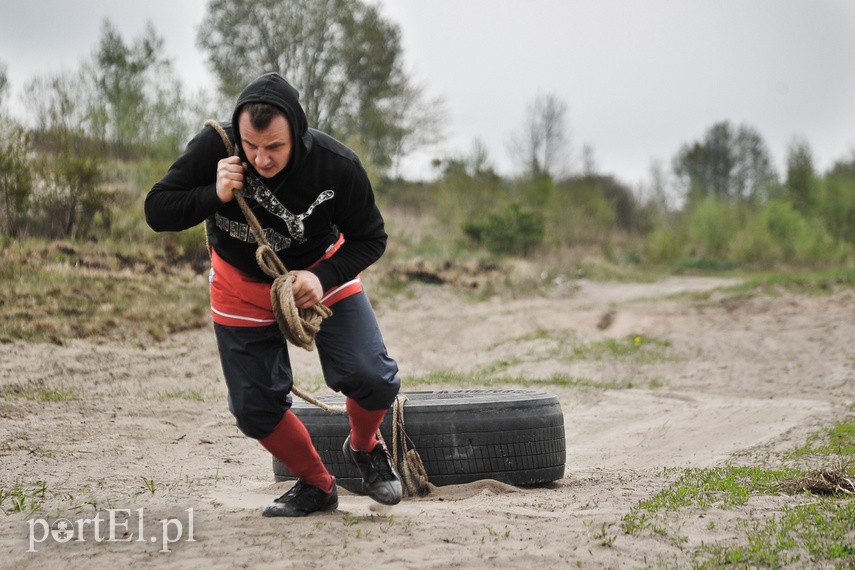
(148, 439)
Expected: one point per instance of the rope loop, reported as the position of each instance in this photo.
(269, 262)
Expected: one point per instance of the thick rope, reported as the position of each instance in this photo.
(413, 474)
(298, 326)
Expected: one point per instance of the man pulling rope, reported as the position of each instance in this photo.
(314, 206)
(299, 327)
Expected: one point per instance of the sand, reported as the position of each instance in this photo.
(147, 438)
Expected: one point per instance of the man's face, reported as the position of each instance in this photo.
(269, 150)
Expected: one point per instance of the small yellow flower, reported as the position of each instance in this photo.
(637, 340)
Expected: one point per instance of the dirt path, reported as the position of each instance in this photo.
(147, 433)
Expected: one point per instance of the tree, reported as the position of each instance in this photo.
(343, 57)
(139, 99)
(801, 184)
(729, 163)
(541, 145)
(71, 193)
(62, 102)
(126, 96)
(4, 83)
(16, 180)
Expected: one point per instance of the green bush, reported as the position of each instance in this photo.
(514, 230)
(779, 233)
(837, 207)
(663, 244)
(712, 222)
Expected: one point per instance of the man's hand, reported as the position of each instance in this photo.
(307, 289)
(229, 178)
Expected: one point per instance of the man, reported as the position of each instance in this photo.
(313, 199)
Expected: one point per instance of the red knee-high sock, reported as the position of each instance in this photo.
(291, 444)
(363, 425)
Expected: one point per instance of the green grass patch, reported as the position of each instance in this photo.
(836, 440)
(189, 395)
(38, 393)
(22, 498)
(816, 530)
(705, 264)
(722, 487)
(811, 535)
(482, 379)
(636, 348)
(813, 282)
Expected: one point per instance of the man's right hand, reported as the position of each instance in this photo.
(229, 178)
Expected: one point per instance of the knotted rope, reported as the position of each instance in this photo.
(413, 474)
(299, 326)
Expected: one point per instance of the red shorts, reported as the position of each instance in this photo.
(238, 300)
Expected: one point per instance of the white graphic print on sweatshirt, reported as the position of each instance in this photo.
(261, 194)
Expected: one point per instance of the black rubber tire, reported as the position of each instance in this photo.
(512, 436)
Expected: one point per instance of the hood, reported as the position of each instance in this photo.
(273, 89)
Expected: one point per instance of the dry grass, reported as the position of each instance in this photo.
(835, 480)
(55, 291)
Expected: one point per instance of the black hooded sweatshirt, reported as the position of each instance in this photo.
(323, 191)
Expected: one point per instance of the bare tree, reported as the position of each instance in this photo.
(541, 145)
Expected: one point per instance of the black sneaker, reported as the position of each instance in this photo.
(301, 500)
(379, 480)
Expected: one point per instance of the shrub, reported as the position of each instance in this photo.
(16, 182)
(664, 244)
(712, 223)
(514, 230)
(779, 233)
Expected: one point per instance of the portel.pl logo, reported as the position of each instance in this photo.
(117, 526)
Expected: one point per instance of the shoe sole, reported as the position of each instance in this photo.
(295, 514)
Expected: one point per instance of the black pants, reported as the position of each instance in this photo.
(353, 358)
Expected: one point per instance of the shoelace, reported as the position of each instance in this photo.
(381, 465)
(293, 492)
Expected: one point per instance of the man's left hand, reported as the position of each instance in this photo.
(307, 289)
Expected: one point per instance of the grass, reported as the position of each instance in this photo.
(21, 498)
(635, 347)
(486, 379)
(38, 393)
(189, 395)
(53, 292)
(723, 487)
(836, 440)
(815, 534)
(807, 283)
(561, 347)
(810, 530)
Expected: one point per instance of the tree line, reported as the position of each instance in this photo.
(100, 135)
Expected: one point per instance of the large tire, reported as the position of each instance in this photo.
(513, 436)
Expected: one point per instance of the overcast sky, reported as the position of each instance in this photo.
(639, 77)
